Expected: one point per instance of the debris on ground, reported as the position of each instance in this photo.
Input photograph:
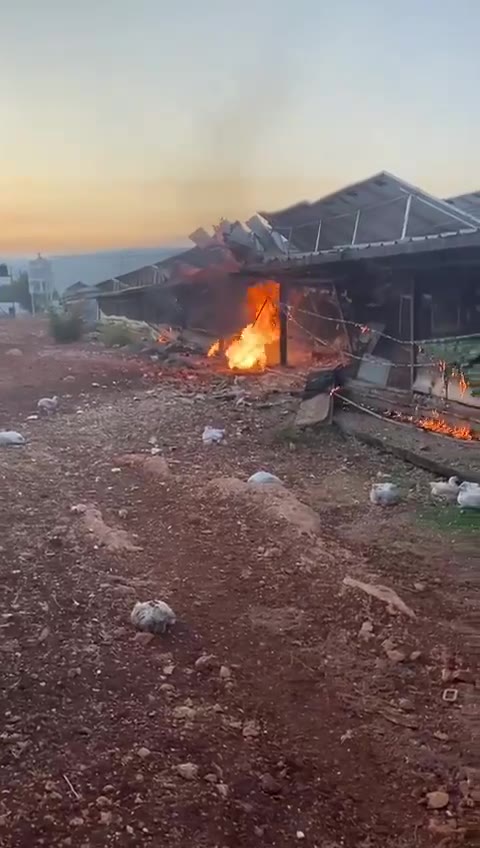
(206, 662)
(153, 616)
(366, 631)
(315, 411)
(212, 436)
(384, 494)
(113, 539)
(394, 654)
(277, 501)
(438, 800)
(383, 593)
(262, 477)
(188, 771)
(300, 688)
(156, 465)
(11, 437)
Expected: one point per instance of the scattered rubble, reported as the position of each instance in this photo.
(111, 538)
(206, 662)
(366, 631)
(155, 465)
(383, 593)
(437, 800)
(251, 729)
(188, 771)
(270, 785)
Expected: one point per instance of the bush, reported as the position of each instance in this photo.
(65, 327)
(116, 334)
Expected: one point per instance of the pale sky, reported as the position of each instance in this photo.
(132, 122)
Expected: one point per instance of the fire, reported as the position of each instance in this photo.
(439, 425)
(249, 349)
(215, 348)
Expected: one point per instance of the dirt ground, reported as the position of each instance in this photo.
(316, 715)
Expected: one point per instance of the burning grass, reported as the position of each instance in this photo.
(439, 425)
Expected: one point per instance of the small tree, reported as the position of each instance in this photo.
(21, 292)
(65, 327)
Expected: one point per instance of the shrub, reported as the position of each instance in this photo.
(116, 334)
(65, 327)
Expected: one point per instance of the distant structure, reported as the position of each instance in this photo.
(40, 282)
(5, 278)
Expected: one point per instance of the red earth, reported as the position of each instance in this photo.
(318, 717)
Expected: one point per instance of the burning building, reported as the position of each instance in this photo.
(379, 277)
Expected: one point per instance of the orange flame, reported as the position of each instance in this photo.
(249, 349)
(439, 425)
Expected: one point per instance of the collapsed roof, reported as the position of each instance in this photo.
(381, 208)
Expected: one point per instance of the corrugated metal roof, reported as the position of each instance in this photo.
(183, 265)
(469, 203)
(381, 208)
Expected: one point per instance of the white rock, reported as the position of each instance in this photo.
(225, 672)
(189, 771)
(438, 800)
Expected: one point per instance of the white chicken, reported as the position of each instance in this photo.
(152, 616)
(469, 496)
(11, 437)
(445, 490)
(48, 405)
(384, 494)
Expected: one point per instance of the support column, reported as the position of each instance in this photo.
(283, 323)
(413, 327)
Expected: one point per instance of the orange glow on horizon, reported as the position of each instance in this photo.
(61, 216)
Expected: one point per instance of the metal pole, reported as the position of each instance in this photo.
(406, 216)
(355, 227)
(413, 347)
(317, 242)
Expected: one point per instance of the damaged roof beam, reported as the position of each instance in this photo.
(355, 226)
(408, 204)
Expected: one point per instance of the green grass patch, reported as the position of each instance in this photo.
(450, 519)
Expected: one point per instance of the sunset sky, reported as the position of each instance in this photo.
(131, 122)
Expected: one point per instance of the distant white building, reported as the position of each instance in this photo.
(11, 310)
(40, 280)
(5, 278)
